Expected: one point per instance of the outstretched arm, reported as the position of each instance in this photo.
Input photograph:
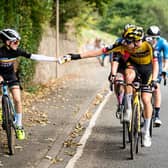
(42, 58)
(92, 53)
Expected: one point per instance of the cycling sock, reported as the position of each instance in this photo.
(147, 125)
(129, 100)
(157, 111)
(19, 119)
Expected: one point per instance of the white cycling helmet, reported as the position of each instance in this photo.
(9, 34)
(129, 26)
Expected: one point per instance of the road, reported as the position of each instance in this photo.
(103, 148)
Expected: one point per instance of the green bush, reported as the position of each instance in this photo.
(28, 18)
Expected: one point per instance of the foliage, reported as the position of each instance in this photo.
(142, 13)
(27, 17)
(76, 12)
(112, 15)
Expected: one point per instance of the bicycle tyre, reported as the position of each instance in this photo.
(153, 116)
(8, 123)
(134, 135)
(126, 136)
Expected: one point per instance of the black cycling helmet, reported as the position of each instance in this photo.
(153, 31)
(9, 34)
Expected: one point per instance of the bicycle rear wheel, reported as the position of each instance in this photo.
(8, 123)
(126, 136)
(125, 125)
(134, 135)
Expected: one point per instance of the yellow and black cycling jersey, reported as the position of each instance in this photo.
(142, 55)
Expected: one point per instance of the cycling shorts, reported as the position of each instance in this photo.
(144, 72)
(11, 77)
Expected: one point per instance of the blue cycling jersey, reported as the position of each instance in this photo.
(162, 51)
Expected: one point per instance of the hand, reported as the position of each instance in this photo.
(63, 59)
(111, 78)
(154, 84)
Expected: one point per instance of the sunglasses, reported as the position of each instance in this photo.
(16, 42)
(150, 38)
(155, 38)
(131, 41)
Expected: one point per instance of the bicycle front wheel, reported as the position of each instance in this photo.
(134, 135)
(8, 123)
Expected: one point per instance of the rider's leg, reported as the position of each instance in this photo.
(146, 98)
(157, 104)
(119, 90)
(130, 75)
(16, 93)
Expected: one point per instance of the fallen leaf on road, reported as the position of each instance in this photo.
(69, 153)
(49, 139)
(56, 160)
(48, 157)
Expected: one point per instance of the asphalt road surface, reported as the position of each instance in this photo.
(103, 147)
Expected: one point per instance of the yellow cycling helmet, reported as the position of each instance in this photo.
(134, 34)
(139, 33)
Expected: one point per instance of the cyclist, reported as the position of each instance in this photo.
(161, 48)
(142, 62)
(140, 59)
(118, 66)
(8, 54)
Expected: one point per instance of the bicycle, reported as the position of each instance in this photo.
(8, 116)
(135, 123)
(121, 110)
(134, 130)
(137, 115)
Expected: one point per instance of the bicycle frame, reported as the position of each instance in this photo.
(5, 92)
(8, 116)
(136, 101)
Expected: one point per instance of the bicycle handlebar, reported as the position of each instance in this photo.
(136, 85)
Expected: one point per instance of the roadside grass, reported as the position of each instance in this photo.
(90, 35)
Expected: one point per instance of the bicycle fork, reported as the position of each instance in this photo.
(136, 102)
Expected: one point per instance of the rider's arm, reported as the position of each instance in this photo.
(92, 53)
(115, 63)
(165, 55)
(114, 67)
(21, 52)
(42, 58)
(155, 69)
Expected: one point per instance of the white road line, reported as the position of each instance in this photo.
(87, 133)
